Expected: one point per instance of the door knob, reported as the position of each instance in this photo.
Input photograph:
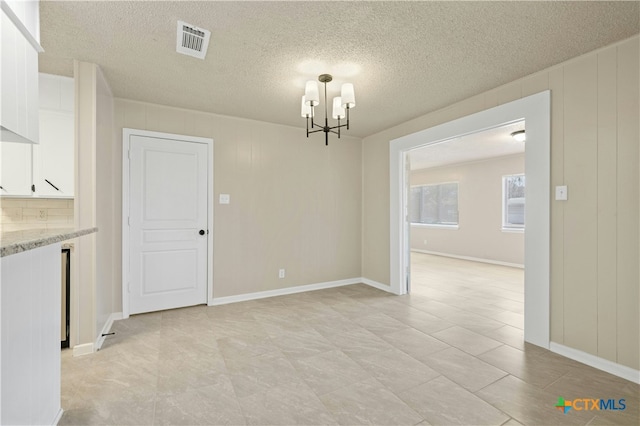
(201, 232)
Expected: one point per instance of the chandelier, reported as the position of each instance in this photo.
(341, 106)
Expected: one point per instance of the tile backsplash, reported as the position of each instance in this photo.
(35, 213)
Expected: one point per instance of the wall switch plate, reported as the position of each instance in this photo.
(561, 193)
(225, 198)
(281, 273)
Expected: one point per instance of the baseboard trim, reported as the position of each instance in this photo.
(83, 349)
(376, 284)
(58, 417)
(611, 367)
(473, 259)
(107, 327)
(282, 291)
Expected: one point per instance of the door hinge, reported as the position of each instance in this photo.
(129, 154)
(129, 220)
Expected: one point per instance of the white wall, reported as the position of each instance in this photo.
(479, 234)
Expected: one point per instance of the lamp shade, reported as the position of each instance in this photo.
(338, 110)
(305, 110)
(311, 94)
(348, 96)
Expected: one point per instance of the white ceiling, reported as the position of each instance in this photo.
(490, 143)
(404, 58)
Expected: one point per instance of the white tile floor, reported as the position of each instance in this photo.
(450, 353)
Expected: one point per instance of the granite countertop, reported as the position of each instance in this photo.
(19, 241)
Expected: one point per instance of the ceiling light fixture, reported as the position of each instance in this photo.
(341, 106)
(520, 136)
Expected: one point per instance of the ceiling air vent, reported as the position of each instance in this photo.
(192, 41)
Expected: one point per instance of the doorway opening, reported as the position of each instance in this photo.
(535, 111)
(467, 228)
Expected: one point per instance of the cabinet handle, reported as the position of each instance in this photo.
(54, 187)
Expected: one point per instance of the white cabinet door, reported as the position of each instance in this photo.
(9, 70)
(28, 13)
(19, 80)
(15, 169)
(56, 92)
(29, 345)
(31, 93)
(53, 157)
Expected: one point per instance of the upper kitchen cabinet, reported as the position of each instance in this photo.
(53, 158)
(19, 26)
(47, 169)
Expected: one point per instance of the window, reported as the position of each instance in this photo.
(513, 202)
(434, 204)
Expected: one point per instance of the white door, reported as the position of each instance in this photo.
(168, 218)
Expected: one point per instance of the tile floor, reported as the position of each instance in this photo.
(450, 353)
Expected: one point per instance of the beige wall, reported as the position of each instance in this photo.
(595, 234)
(83, 264)
(93, 284)
(295, 203)
(35, 213)
(479, 234)
(107, 280)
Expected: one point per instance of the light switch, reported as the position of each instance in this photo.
(225, 198)
(561, 193)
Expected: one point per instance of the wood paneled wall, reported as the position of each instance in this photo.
(595, 252)
(295, 203)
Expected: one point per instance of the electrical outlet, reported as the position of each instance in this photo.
(425, 242)
(281, 273)
(42, 214)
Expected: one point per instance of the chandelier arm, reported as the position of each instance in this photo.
(348, 116)
(337, 127)
(317, 130)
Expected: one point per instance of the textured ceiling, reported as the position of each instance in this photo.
(490, 143)
(404, 58)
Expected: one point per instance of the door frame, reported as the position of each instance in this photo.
(126, 144)
(536, 111)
